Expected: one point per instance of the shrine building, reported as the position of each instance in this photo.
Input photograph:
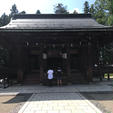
(37, 42)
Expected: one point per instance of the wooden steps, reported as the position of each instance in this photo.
(75, 78)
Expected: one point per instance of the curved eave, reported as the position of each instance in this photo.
(57, 30)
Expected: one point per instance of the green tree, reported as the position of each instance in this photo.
(75, 12)
(106, 54)
(110, 20)
(112, 6)
(38, 12)
(60, 9)
(92, 10)
(13, 10)
(103, 11)
(86, 7)
(22, 13)
(4, 20)
(109, 8)
(100, 12)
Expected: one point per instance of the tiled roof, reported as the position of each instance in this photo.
(52, 22)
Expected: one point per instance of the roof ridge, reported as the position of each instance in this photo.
(50, 16)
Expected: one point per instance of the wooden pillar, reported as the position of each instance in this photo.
(19, 64)
(68, 61)
(97, 61)
(90, 63)
(41, 62)
(44, 65)
(108, 76)
(83, 60)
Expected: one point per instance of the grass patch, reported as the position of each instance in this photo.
(106, 75)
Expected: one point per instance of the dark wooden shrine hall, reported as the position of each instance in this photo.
(37, 42)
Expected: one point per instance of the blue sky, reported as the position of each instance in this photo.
(45, 6)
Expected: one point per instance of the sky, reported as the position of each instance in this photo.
(45, 6)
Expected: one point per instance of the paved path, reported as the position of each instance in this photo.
(66, 99)
(58, 103)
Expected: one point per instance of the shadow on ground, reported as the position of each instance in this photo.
(19, 98)
(98, 95)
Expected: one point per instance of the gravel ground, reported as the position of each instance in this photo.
(103, 100)
(12, 103)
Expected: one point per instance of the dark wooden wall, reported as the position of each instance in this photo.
(20, 44)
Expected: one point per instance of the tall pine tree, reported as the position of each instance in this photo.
(22, 13)
(86, 7)
(38, 12)
(109, 8)
(92, 10)
(13, 10)
(100, 13)
(60, 9)
(4, 20)
(103, 12)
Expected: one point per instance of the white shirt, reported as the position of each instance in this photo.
(50, 74)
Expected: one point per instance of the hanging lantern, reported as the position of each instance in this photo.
(64, 55)
(36, 44)
(44, 56)
(27, 43)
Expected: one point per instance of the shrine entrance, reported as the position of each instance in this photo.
(54, 62)
(34, 63)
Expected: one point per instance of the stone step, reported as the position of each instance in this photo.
(74, 78)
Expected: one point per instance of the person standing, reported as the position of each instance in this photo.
(50, 76)
(59, 76)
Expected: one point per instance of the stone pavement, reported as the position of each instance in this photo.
(93, 87)
(58, 103)
(58, 99)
